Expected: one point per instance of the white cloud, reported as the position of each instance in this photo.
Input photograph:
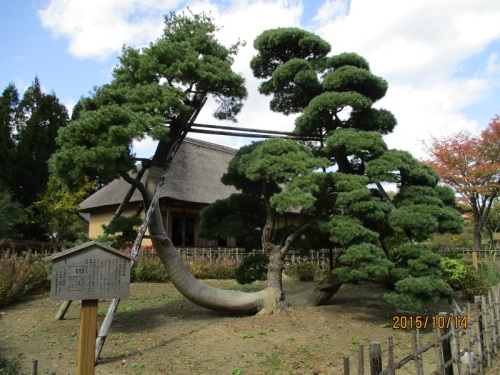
(97, 29)
(417, 46)
(332, 10)
(493, 68)
(70, 104)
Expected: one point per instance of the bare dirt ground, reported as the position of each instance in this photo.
(157, 331)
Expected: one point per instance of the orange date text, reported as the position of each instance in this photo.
(423, 322)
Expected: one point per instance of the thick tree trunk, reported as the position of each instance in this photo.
(197, 292)
(477, 237)
(319, 294)
(478, 227)
(275, 275)
(491, 237)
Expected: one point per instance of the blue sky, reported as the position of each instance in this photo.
(441, 58)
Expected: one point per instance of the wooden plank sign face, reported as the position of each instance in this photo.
(90, 271)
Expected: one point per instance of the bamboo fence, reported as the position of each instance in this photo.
(318, 257)
(463, 343)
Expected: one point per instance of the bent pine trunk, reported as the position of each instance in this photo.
(194, 290)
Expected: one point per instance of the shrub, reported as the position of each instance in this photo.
(463, 277)
(220, 267)
(453, 271)
(148, 270)
(19, 275)
(252, 268)
(303, 271)
(475, 283)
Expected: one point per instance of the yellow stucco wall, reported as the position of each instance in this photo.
(103, 215)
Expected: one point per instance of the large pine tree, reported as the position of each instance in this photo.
(346, 201)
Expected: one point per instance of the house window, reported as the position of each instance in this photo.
(183, 231)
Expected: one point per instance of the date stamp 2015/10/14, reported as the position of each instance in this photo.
(423, 322)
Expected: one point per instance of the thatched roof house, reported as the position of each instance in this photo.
(193, 182)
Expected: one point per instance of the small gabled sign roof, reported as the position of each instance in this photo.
(86, 246)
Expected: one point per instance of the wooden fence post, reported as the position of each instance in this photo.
(474, 260)
(415, 342)
(492, 324)
(456, 347)
(445, 344)
(479, 333)
(390, 357)
(375, 358)
(496, 314)
(34, 367)
(438, 350)
(347, 370)
(469, 358)
(487, 329)
(361, 359)
(496, 306)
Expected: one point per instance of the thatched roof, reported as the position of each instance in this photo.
(193, 177)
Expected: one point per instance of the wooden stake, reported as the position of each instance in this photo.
(446, 344)
(415, 341)
(438, 350)
(390, 357)
(479, 334)
(86, 345)
(470, 322)
(62, 310)
(347, 369)
(361, 359)
(474, 260)
(375, 358)
(34, 367)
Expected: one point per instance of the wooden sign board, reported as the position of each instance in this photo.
(90, 271)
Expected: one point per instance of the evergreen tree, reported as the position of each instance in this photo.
(11, 213)
(334, 96)
(28, 129)
(9, 102)
(39, 117)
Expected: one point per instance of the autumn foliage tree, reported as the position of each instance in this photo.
(470, 165)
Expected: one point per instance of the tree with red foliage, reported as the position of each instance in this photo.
(470, 165)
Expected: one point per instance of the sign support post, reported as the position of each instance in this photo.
(88, 329)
